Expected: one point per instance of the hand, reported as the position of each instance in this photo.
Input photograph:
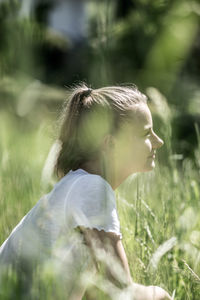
(157, 293)
(142, 292)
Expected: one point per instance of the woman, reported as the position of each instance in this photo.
(106, 135)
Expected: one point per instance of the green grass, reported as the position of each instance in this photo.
(153, 208)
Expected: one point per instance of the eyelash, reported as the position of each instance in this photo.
(148, 133)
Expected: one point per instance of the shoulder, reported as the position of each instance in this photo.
(92, 191)
(92, 182)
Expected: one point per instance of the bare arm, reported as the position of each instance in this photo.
(110, 244)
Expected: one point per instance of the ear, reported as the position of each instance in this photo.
(108, 142)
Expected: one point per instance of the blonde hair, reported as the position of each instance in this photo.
(88, 114)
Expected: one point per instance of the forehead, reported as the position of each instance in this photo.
(141, 118)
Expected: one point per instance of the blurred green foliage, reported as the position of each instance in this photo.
(153, 207)
(154, 44)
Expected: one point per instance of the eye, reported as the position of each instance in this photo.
(148, 133)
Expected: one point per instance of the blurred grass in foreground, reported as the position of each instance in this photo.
(154, 208)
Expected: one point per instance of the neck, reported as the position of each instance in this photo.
(105, 170)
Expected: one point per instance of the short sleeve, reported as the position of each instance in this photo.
(91, 203)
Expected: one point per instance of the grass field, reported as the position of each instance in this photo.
(159, 211)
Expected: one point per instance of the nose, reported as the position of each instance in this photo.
(157, 141)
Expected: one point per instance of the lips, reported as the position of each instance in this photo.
(153, 155)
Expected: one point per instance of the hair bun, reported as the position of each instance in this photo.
(86, 93)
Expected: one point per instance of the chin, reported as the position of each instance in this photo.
(149, 168)
(146, 168)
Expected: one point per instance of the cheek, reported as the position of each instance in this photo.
(134, 150)
(143, 149)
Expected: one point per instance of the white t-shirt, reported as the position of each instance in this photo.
(45, 232)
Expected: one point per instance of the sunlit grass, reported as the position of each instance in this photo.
(158, 211)
(23, 151)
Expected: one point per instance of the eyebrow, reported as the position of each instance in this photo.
(147, 127)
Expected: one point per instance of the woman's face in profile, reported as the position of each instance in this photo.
(136, 144)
